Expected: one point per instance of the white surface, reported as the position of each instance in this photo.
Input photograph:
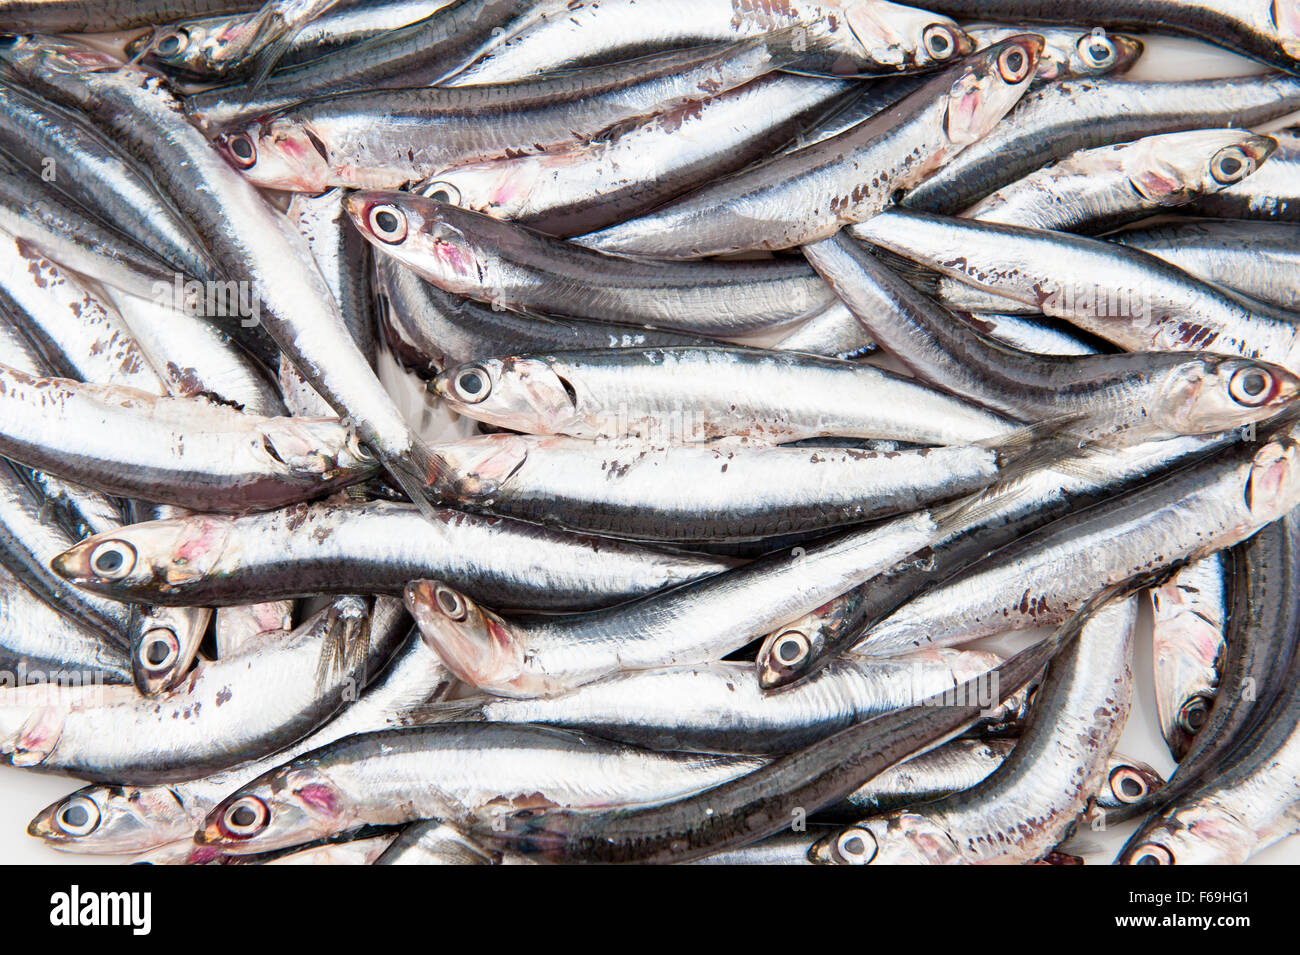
(23, 794)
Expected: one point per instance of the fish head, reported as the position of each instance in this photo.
(287, 806)
(1210, 393)
(1173, 168)
(474, 643)
(520, 393)
(31, 55)
(896, 839)
(1199, 833)
(1284, 24)
(495, 187)
(197, 47)
(1127, 781)
(896, 37)
(278, 153)
(1272, 485)
(113, 819)
(313, 449)
(142, 560)
(1071, 53)
(481, 466)
(986, 85)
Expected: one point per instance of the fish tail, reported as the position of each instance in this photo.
(469, 710)
(420, 472)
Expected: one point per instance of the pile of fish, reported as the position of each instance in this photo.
(627, 431)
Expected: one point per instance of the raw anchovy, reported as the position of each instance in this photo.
(687, 395)
(451, 771)
(113, 819)
(1029, 804)
(695, 492)
(1062, 486)
(763, 802)
(1042, 577)
(1267, 31)
(1257, 259)
(631, 169)
(1098, 189)
(1271, 195)
(225, 714)
(513, 267)
(695, 623)
(428, 329)
(39, 644)
(1189, 614)
(250, 240)
(1123, 295)
(381, 140)
(416, 55)
(1135, 397)
(212, 561)
(1065, 117)
(180, 451)
(810, 193)
(720, 708)
(857, 38)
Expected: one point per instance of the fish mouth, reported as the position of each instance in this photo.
(73, 565)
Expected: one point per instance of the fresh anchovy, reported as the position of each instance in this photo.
(1132, 396)
(514, 267)
(383, 139)
(1065, 117)
(428, 329)
(1247, 801)
(434, 842)
(225, 713)
(89, 169)
(178, 47)
(252, 243)
(44, 645)
(687, 395)
(698, 622)
(809, 194)
(1257, 259)
(213, 561)
(85, 16)
(1270, 195)
(1097, 189)
(114, 819)
(627, 171)
(765, 801)
(856, 38)
(416, 55)
(1030, 803)
(701, 492)
(1042, 577)
(1267, 31)
(1123, 295)
(720, 708)
(1189, 614)
(1258, 665)
(181, 451)
(1061, 486)
(451, 771)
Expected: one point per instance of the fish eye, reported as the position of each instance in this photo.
(451, 603)
(78, 816)
(172, 43)
(1193, 714)
(1013, 64)
(1152, 854)
(159, 650)
(442, 192)
(8, 39)
(359, 450)
(1230, 165)
(790, 648)
(1127, 784)
(241, 149)
(245, 818)
(1251, 387)
(388, 223)
(472, 384)
(856, 846)
(938, 41)
(1098, 50)
(112, 560)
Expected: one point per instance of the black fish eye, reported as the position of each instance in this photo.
(472, 384)
(112, 559)
(8, 40)
(243, 816)
(1251, 387)
(78, 816)
(938, 41)
(1230, 165)
(388, 224)
(75, 815)
(170, 45)
(159, 649)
